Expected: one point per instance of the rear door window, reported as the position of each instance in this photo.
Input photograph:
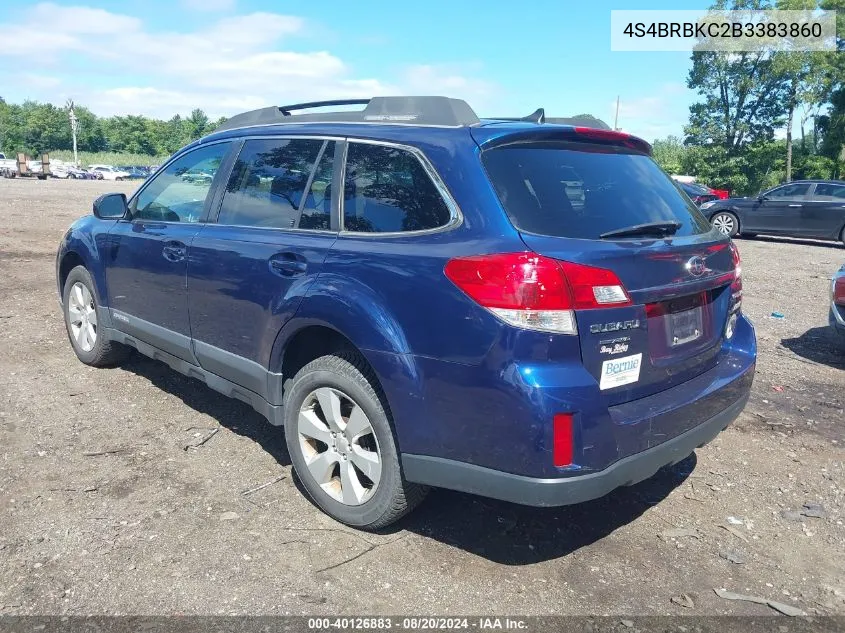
(582, 191)
(317, 207)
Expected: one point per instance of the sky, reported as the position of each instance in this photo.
(162, 57)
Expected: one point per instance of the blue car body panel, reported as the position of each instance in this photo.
(461, 384)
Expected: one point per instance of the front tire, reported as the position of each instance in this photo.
(726, 223)
(82, 318)
(341, 444)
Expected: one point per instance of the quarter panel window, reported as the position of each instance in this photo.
(387, 190)
(178, 193)
(268, 181)
(829, 193)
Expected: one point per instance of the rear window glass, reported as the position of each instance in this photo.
(582, 191)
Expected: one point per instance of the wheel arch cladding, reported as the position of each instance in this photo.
(69, 261)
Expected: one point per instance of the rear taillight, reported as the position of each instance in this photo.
(839, 291)
(535, 292)
(736, 293)
(736, 284)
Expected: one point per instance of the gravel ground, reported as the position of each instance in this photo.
(104, 510)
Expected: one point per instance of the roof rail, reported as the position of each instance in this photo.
(286, 110)
(430, 111)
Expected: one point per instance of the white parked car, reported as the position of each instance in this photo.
(109, 172)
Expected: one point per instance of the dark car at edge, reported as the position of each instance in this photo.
(812, 209)
(423, 298)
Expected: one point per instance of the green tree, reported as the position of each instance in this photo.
(743, 95)
(197, 124)
(669, 154)
(46, 127)
(11, 128)
(832, 128)
(91, 136)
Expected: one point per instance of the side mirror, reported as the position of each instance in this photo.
(110, 206)
(761, 198)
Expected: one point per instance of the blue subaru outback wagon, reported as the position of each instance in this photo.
(507, 307)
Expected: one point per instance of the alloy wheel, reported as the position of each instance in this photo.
(339, 446)
(724, 224)
(82, 315)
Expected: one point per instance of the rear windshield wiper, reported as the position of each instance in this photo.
(649, 228)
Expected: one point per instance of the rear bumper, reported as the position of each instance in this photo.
(465, 477)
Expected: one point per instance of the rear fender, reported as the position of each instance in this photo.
(355, 311)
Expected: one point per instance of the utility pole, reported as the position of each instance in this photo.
(616, 118)
(74, 128)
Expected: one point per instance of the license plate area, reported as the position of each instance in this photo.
(679, 326)
(685, 326)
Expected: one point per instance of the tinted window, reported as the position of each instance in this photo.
(388, 190)
(268, 183)
(178, 193)
(582, 191)
(317, 208)
(796, 190)
(829, 193)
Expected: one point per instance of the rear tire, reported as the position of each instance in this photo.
(842, 235)
(83, 314)
(341, 443)
(726, 223)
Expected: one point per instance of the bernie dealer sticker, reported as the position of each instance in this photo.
(620, 371)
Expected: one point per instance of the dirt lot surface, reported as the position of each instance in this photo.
(103, 510)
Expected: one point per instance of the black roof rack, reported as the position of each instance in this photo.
(433, 111)
(286, 110)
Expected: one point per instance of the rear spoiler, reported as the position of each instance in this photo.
(572, 133)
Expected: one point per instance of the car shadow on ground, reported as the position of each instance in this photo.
(820, 345)
(236, 416)
(511, 534)
(502, 532)
(774, 239)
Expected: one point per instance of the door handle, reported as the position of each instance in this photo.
(287, 265)
(174, 251)
(796, 205)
